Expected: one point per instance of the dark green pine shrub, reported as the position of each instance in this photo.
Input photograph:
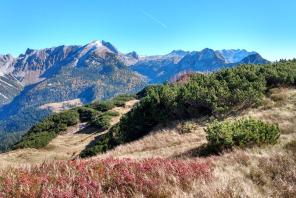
(43, 132)
(36, 140)
(120, 100)
(111, 113)
(103, 105)
(104, 143)
(86, 114)
(241, 133)
(102, 122)
(218, 94)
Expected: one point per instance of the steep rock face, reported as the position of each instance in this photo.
(31, 67)
(6, 64)
(9, 85)
(9, 88)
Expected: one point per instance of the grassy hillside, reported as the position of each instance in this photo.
(216, 95)
(169, 162)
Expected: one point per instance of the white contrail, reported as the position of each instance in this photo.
(154, 19)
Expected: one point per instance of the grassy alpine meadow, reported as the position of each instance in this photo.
(105, 178)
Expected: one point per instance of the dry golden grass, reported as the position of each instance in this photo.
(165, 142)
(279, 108)
(60, 106)
(236, 173)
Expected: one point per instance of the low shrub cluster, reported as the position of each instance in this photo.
(105, 178)
(117, 101)
(217, 94)
(86, 113)
(120, 100)
(102, 122)
(102, 105)
(187, 127)
(104, 142)
(97, 114)
(241, 133)
(111, 113)
(40, 134)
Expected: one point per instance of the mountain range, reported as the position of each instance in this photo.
(94, 71)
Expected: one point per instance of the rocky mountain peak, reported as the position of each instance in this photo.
(133, 54)
(6, 64)
(208, 53)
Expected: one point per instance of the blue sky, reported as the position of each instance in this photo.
(151, 26)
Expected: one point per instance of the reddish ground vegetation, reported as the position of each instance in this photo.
(182, 77)
(104, 178)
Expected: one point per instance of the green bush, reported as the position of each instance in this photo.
(104, 143)
(120, 100)
(86, 114)
(43, 132)
(112, 113)
(241, 133)
(103, 105)
(69, 118)
(36, 140)
(102, 122)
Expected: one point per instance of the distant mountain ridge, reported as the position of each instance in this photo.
(93, 71)
(36, 65)
(235, 56)
(162, 68)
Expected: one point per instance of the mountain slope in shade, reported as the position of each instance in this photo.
(254, 59)
(158, 68)
(205, 60)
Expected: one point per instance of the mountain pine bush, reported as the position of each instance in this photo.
(43, 132)
(241, 133)
(102, 105)
(86, 113)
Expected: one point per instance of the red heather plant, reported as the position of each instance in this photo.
(104, 178)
